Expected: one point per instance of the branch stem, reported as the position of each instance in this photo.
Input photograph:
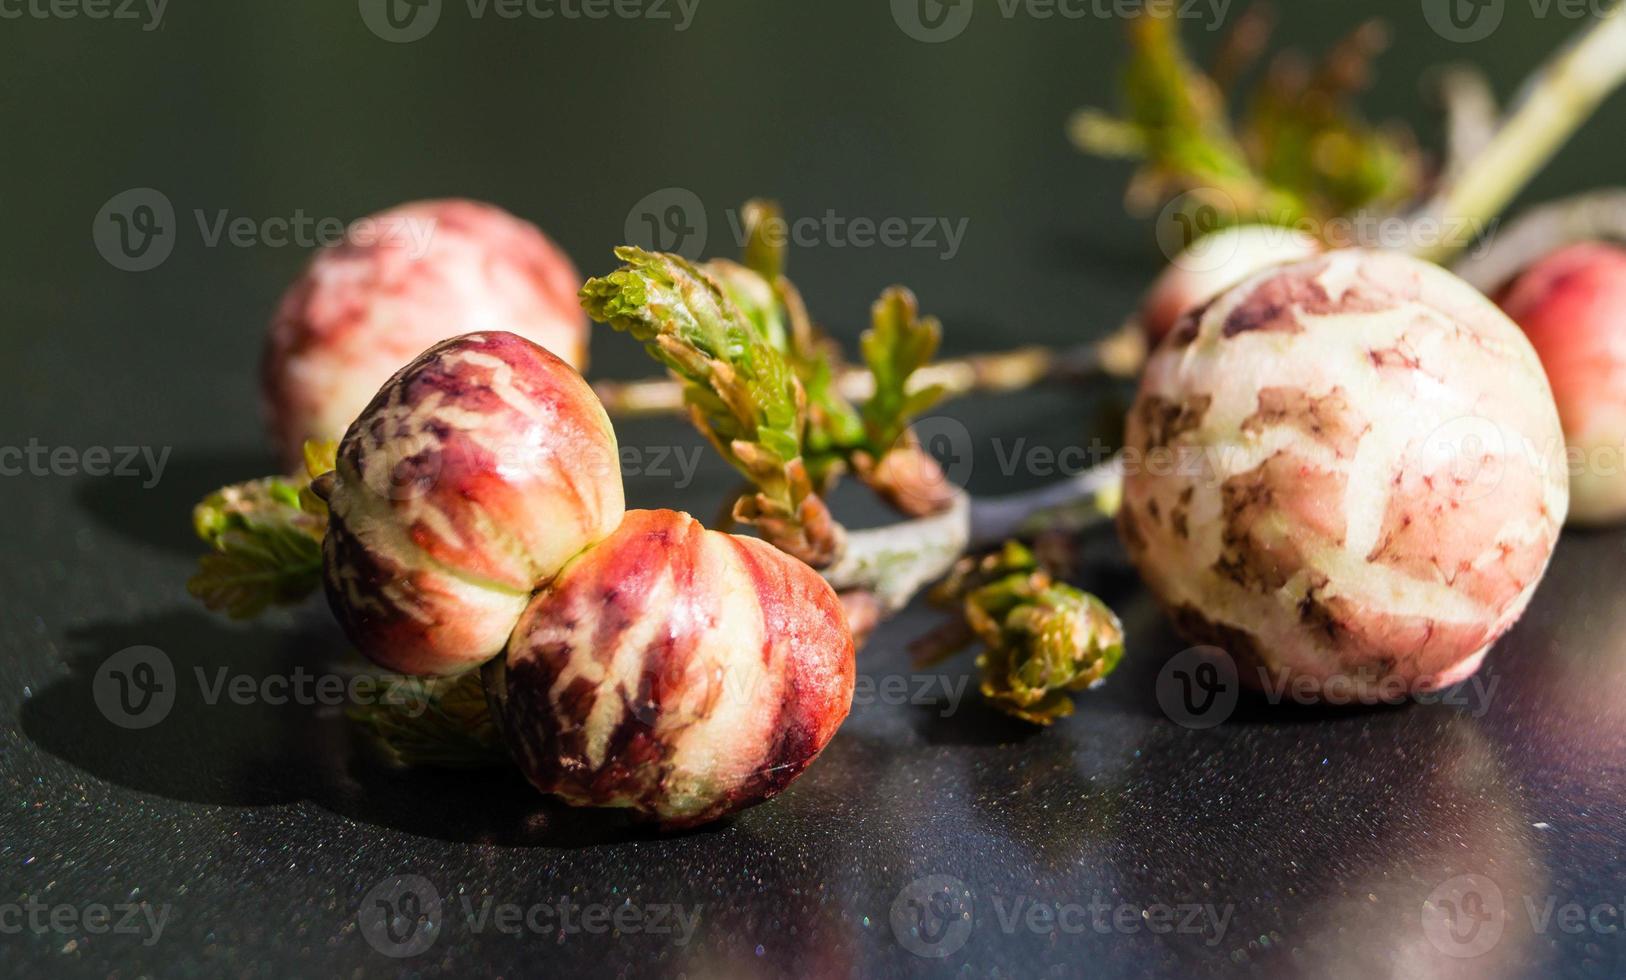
(1543, 229)
(1073, 504)
(1556, 100)
(896, 561)
(1119, 355)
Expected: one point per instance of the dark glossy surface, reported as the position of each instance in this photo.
(1315, 836)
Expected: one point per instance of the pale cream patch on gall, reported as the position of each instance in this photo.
(1326, 386)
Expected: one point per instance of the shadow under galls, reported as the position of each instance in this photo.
(229, 738)
(159, 516)
(976, 723)
(1153, 643)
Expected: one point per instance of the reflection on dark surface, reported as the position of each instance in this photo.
(1330, 845)
(1327, 835)
(1318, 843)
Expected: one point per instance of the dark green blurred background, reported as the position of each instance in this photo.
(260, 825)
(263, 109)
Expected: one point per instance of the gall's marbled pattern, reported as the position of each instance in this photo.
(681, 672)
(474, 475)
(1347, 472)
(401, 281)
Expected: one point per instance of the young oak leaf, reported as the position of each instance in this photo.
(892, 461)
(266, 537)
(266, 547)
(758, 286)
(764, 251)
(898, 343)
(742, 392)
(1300, 150)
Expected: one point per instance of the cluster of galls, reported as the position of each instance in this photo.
(635, 658)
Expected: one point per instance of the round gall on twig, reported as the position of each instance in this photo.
(474, 475)
(1347, 472)
(400, 282)
(680, 672)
